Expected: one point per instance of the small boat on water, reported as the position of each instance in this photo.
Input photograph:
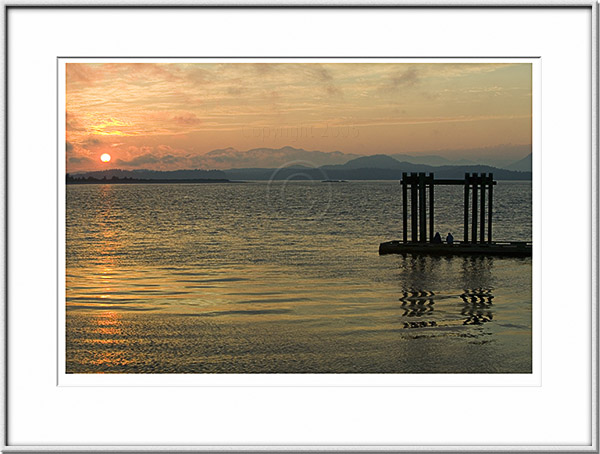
(504, 249)
(334, 181)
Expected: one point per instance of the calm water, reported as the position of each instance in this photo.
(286, 278)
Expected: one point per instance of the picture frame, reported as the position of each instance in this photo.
(317, 418)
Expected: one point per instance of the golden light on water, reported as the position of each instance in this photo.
(105, 157)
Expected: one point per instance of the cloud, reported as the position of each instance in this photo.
(170, 159)
(90, 143)
(79, 160)
(72, 123)
(69, 146)
(186, 119)
(267, 157)
(263, 68)
(141, 160)
(326, 78)
(408, 78)
(235, 90)
(78, 72)
(322, 73)
(163, 157)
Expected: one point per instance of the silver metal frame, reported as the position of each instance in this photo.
(595, 168)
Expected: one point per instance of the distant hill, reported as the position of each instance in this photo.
(262, 158)
(269, 157)
(376, 161)
(430, 160)
(376, 167)
(522, 165)
(142, 174)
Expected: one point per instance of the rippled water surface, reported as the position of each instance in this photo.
(286, 278)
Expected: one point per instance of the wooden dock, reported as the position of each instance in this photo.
(498, 249)
(478, 209)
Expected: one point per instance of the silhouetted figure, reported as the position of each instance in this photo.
(450, 239)
(437, 238)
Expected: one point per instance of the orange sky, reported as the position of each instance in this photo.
(166, 116)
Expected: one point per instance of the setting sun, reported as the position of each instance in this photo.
(105, 157)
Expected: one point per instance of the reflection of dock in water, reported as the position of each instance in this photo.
(477, 306)
(473, 305)
(477, 188)
(417, 303)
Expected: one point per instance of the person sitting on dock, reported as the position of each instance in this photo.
(450, 239)
(437, 239)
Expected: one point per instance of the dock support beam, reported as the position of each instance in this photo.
(475, 198)
(404, 209)
(490, 210)
(431, 229)
(482, 214)
(466, 220)
(422, 213)
(474, 220)
(413, 206)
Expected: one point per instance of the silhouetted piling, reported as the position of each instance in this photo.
(490, 205)
(431, 186)
(475, 199)
(404, 208)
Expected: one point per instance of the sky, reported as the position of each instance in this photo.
(168, 116)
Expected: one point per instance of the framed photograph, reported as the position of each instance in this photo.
(301, 228)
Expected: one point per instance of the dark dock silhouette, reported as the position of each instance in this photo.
(477, 188)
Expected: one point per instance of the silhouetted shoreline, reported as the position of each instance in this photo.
(115, 180)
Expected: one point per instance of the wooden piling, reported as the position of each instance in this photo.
(413, 207)
(490, 209)
(404, 209)
(474, 220)
(466, 228)
(422, 212)
(482, 214)
(431, 228)
(474, 183)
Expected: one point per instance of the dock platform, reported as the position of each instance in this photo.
(501, 249)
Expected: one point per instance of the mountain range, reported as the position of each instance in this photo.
(375, 167)
(500, 156)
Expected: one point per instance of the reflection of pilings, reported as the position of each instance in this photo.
(416, 297)
(477, 272)
(476, 317)
(479, 297)
(478, 305)
(419, 324)
(417, 303)
(418, 273)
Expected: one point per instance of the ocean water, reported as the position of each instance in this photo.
(285, 277)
